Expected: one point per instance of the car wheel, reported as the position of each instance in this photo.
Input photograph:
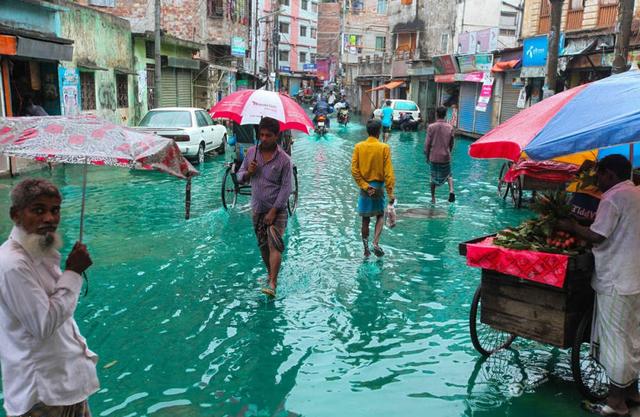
(223, 146)
(200, 159)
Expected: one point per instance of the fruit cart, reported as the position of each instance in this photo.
(544, 297)
(526, 175)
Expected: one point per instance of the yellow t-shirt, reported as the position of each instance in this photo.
(371, 161)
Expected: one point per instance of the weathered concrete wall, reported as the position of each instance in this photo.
(40, 17)
(368, 23)
(104, 40)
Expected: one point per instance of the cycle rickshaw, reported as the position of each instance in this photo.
(232, 189)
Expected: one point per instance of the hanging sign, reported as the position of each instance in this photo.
(485, 94)
(69, 90)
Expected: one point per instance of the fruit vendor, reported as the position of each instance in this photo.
(586, 194)
(615, 234)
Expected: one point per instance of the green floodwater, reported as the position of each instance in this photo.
(174, 306)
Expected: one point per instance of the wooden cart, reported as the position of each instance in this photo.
(523, 183)
(505, 307)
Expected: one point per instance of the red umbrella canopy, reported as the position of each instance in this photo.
(247, 107)
(88, 139)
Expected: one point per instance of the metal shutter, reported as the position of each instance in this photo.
(483, 118)
(185, 88)
(509, 98)
(168, 88)
(467, 106)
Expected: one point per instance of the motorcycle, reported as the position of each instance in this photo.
(343, 116)
(407, 122)
(321, 128)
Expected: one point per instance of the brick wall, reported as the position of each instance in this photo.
(328, 29)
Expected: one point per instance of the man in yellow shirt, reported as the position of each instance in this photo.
(372, 170)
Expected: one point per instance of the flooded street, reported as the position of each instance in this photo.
(175, 312)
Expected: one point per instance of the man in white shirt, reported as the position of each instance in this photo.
(615, 234)
(47, 368)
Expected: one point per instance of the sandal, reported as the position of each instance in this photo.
(377, 250)
(602, 409)
(268, 291)
(452, 197)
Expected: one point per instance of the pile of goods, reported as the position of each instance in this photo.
(541, 234)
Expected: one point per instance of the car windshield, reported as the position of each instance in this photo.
(166, 119)
(406, 105)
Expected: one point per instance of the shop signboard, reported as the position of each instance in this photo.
(485, 93)
(69, 79)
(535, 50)
(284, 68)
(467, 63)
(533, 72)
(472, 77)
(481, 41)
(444, 64)
(238, 47)
(484, 62)
(309, 67)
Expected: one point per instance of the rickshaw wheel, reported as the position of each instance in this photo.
(503, 187)
(229, 191)
(516, 192)
(485, 338)
(292, 203)
(590, 377)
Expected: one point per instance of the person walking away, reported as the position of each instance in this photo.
(372, 170)
(332, 99)
(47, 368)
(387, 120)
(437, 149)
(615, 234)
(268, 168)
(322, 109)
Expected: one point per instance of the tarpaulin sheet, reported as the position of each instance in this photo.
(551, 171)
(541, 267)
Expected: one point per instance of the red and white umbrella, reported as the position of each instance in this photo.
(247, 107)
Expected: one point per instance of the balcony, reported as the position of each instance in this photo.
(574, 19)
(607, 15)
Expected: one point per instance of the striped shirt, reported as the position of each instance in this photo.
(271, 183)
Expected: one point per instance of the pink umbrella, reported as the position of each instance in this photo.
(247, 107)
(90, 140)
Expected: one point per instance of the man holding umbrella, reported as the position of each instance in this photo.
(47, 368)
(269, 170)
(615, 234)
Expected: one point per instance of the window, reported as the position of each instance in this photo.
(405, 105)
(304, 4)
(313, 58)
(122, 90)
(303, 31)
(314, 7)
(103, 3)
(406, 42)
(166, 118)
(381, 43)
(88, 90)
(545, 17)
(149, 49)
(284, 2)
(607, 13)
(283, 55)
(507, 32)
(354, 43)
(215, 8)
(202, 118)
(314, 33)
(444, 42)
(284, 27)
(382, 7)
(303, 57)
(357, 6)
(508, 19)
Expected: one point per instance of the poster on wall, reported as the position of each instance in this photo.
(70, 91)
(485, 94)
(522, 98)
(142, 85)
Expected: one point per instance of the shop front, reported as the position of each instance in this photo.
(586, 59)
(475, 106)
(509, 86)
(534, 66)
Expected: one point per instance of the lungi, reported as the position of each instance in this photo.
(618, 331)
(440, 172)
(270, 235)
(80, 409)
(370, 206)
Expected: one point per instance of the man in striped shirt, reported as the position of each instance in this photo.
(268, 168)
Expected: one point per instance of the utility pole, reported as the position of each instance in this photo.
(553, 39)
(276, 43)
(157, 68)
(623, 32)
(343, 23)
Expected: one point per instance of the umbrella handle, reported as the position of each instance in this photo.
(84, 197)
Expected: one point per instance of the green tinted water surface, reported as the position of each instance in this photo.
(174, 306)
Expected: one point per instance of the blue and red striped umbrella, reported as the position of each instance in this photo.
(585, 122)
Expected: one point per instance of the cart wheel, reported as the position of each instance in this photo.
(229, 190)
(292, 203)
(485, 338)
(516, 192)
(503, 186)
(588, 374)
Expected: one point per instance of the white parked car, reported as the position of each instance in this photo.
(191, 128)
(399, 107)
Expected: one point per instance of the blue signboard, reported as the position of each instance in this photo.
(534, 53)
(309, 67)
(238, 46)
(285, 69)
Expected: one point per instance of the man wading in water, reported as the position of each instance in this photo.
(372, 170)
(269, 170)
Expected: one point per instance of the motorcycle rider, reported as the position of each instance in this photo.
(342, 104)
(322, 108)
(407, 122)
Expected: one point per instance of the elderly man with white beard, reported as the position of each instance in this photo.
(47, 368)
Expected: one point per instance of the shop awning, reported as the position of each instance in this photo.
(445, 78)
(123, 70)
(90, 65)
(506, 65)
(389, 86)
(33, 48)
(184, 63)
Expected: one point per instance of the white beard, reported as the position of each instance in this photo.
(41, 245)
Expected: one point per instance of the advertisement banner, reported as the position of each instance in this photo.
(445, 64)
(466, 63)
(484, 62)
(485, 94)
(69, 79)
(322, 69)
(238, 47)
(535, 50)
